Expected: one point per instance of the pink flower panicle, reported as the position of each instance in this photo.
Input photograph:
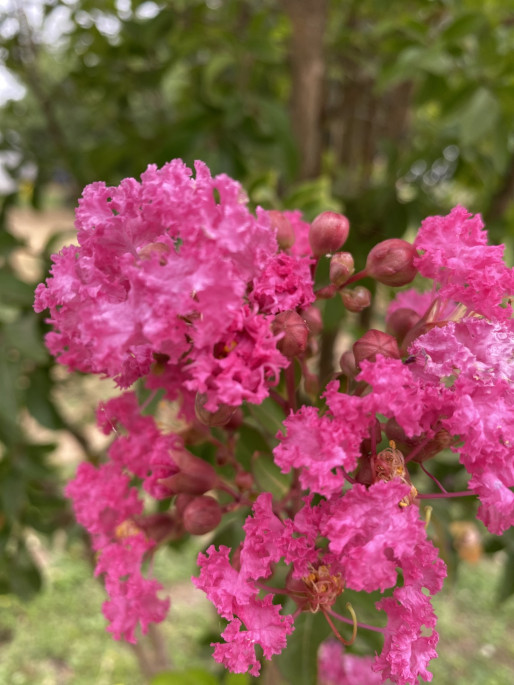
(175, 282)
(162, 270)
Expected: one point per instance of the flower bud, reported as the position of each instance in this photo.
(356, 299)
(348, 365)
(195, 475)
(202, 515)
(375, 342)
(313, 319)
(401, 321)
(295, 333)
(391, 262)
(342, 267)
(244, 480)
(282, 226)
(181, 502)
(220, 417)
(160, 527)
(328, 232)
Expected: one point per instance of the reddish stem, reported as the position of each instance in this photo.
(355, 277)
(434, 479)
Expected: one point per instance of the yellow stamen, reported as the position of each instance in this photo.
(428, 516)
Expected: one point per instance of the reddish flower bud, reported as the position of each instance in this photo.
(375, 342)
(220, 417)
(391, 262)
(244, 480)
(348, 365)
(356, 299)
(401, 321)
(202, 515)
(328, 232)
(342, 267)
(160, 527)
(195, 475)
(181, 502)
(313, 319)
(283, 228)
(295, 333)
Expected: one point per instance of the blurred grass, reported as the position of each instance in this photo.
(59, 638)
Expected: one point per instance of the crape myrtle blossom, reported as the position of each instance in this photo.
(337, 667)
(162, 270)
(176, 284)
(363, 553)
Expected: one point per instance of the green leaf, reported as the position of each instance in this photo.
(193, 677)
(269, 415)
(13, 291)
(479, 117)
(270, 478)
(237, 679)
(25, 336)
(299, 661)
(39, 400)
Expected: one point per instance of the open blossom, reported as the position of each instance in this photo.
(455, 254)
(407, 647)
(337, 667)
(106, 505)
(474, 358)
(162, 272)
(320, 446)
(369, 537)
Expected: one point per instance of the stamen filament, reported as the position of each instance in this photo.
(334, 629)
(364, 626)
(443, 489)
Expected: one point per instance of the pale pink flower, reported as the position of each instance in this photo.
(338, 667)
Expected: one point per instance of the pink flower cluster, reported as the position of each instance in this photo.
(369, 538)
(175, 270)
(175, 282)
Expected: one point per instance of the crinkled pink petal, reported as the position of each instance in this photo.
(407, 650)
(337, 667)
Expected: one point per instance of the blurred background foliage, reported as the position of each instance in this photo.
(386, 115)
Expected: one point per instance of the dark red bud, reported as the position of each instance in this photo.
(220, 417)
(375, 342)
(348, 365)
(195, 475)
(401, 321)
(235, 420)
(328, 232)
(283, 228)
(160, 527)
(295, 333)
(202, 515)
(342, 267)
(391, 262)
(356, 299)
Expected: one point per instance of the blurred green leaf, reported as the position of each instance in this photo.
(193, 677)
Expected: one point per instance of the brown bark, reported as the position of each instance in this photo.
(308, 19)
